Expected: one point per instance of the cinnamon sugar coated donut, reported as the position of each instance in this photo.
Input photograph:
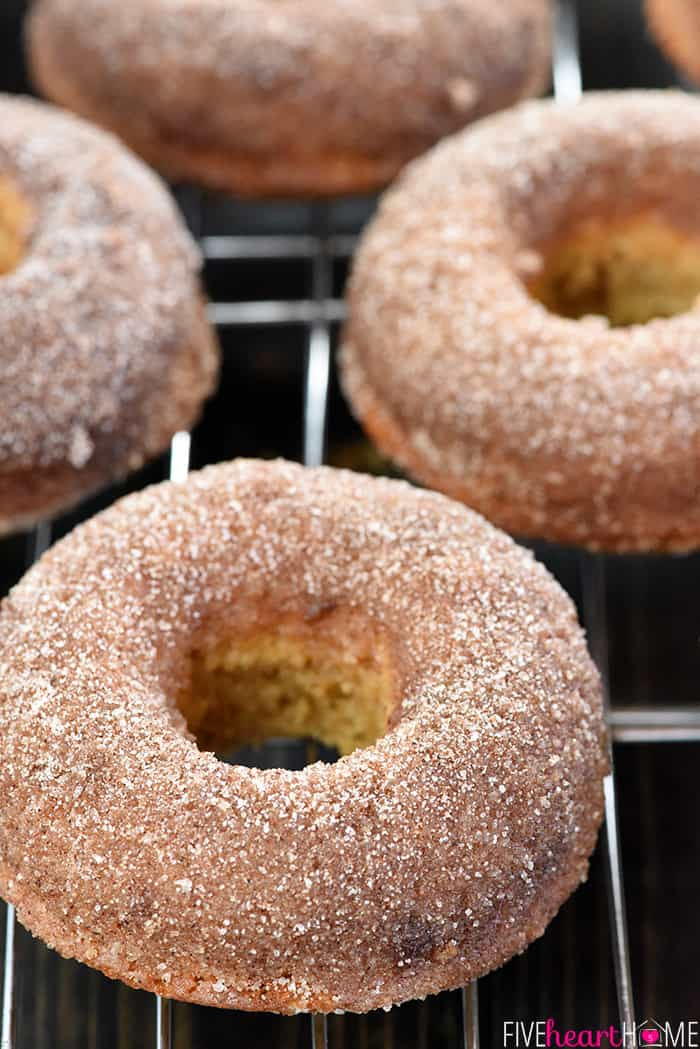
(264, 599)
(524, 329)
(304, 97)
(676, 27)
(105, 350)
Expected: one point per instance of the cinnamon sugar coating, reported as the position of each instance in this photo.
(405, 868)
(569, 430)
(303, 97)
(105, 350)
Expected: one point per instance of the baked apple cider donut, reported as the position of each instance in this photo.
(261, 599)
(676, 27)
(105, 349)
(312, 97)
(524, 329)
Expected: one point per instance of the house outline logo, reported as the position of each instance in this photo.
(651, 1034)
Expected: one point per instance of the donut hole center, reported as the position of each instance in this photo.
(279, 687)
(15, 216)
(630, 271)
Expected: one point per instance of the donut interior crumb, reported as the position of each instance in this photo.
(14, 224)
(630, 271)
(246, 691)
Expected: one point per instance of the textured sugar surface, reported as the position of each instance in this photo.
(572, 420)
(405, 868)
(107, 289)
(372, 74)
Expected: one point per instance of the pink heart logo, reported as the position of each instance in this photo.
(650, 1037)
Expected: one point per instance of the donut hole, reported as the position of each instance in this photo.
(14, 225)
(629, 271)
(269, 686)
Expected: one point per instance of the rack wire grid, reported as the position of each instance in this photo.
(641, 617)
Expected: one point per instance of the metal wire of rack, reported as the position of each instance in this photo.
(317, 313)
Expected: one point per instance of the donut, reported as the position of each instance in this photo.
(525, 337)
(264, 599)
(675, 25)
(303, 99)
(105, 350)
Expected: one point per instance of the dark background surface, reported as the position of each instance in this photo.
(652, 607)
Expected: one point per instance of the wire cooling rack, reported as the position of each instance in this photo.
(590, 937)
